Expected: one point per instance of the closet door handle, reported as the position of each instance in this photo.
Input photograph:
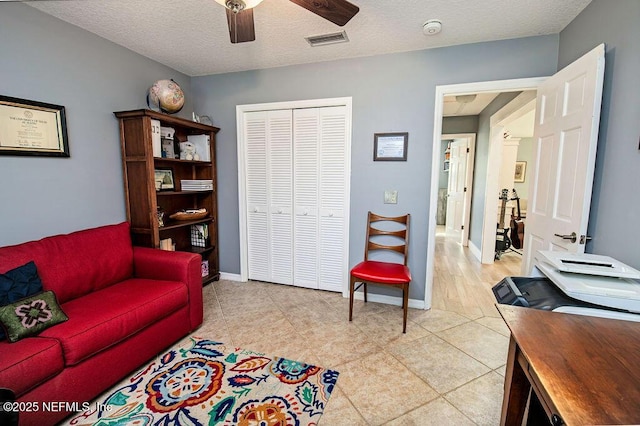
(255, 210)
(279, 210)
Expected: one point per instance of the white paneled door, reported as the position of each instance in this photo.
(296, 177)
(456, 189)
(564, 151)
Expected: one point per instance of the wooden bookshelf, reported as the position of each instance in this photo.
(142, 199)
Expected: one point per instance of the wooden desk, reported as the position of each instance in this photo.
(584, 370)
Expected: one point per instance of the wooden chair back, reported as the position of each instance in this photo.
(401, 234)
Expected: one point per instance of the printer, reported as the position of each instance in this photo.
(585, 284)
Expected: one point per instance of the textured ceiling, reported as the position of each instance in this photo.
(191, 36)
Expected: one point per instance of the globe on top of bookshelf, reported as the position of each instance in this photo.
(165, 96)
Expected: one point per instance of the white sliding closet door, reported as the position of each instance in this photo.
(258, 227)
(268, 141)
(296, 174)
(332, 197)
(280, 154)
(306, 171)
(320, 179)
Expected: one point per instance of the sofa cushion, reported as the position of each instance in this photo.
(31, 315)
(29, 362)
(75, 264)
(17, 284)
(108, 316)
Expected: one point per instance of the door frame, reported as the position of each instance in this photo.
(457, 89)
(519, 106)
(242, 182)
(470, 163)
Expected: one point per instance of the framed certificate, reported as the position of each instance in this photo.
(390, 146)
(32, 128)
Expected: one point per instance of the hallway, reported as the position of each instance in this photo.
(462, 284)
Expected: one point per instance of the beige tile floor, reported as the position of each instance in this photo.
(447, 369)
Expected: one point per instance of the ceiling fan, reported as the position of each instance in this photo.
(240, 15)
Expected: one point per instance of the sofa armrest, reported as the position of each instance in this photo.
(173, 266)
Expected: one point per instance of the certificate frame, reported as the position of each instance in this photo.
(32, 128)
(390, 146)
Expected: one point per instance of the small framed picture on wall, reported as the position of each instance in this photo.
(390, 146)
(521, 170)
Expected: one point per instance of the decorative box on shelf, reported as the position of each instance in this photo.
(200, 235)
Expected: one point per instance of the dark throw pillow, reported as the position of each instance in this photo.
(17, 284)
(31, 315)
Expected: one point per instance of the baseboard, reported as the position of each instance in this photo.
(230, 277)
(378, 298)
(475, 251)
(389, 300)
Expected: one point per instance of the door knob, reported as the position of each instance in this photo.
(255, 210)
(573, 237)
(279, 210)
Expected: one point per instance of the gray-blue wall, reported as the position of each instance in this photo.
(615, 206)
(45, 59)
(391, 93)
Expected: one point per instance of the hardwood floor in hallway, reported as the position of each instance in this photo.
(462, 284)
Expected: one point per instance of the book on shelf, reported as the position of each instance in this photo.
(196, 184)
(167, 244)
(156, 138)
(205, 268)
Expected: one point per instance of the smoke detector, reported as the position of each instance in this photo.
(432, 27)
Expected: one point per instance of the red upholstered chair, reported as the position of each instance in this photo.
(383, 273)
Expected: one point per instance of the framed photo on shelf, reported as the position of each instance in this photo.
(521, 171)
(164, 180)
(390, 146)
(32, 128)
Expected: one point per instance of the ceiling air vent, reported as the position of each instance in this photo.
(323, 39)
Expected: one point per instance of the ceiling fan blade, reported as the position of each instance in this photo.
(241, 27)
(337, 11)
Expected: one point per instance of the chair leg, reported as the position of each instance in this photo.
(352, 286)
(364, 286)
(405, 306)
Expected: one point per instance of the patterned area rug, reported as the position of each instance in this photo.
(208, 383)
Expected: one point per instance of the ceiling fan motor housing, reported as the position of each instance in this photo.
(235, 5)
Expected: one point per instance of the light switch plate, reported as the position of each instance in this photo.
(391, 197)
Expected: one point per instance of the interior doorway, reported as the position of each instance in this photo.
(510, 149)
(492, 175)
(454, 186)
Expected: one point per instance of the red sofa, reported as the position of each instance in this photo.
(125, 305)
